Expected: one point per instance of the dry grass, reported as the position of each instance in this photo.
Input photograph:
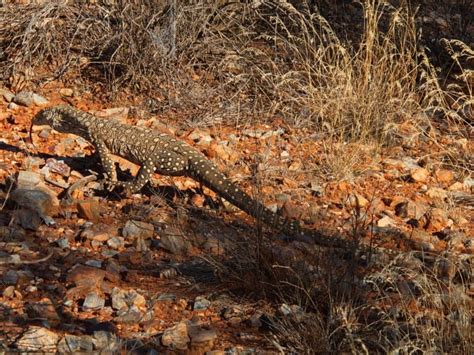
(265, 59)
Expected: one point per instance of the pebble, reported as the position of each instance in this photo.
(116, 242)
(93, 302)
(9, 292)
(201, 303)
(13, 106)
(63, 243)
(66, 92)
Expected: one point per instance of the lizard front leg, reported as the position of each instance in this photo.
(144, 175)
(107, 163)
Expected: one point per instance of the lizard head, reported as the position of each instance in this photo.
(57, 118)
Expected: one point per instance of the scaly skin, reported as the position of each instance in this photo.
(161, 153)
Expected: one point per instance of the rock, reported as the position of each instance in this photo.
(75, 344)
(98, 232)
(10, 277)
(13, 106)
(58, 166)
(7, 94)
(129, 315)
(37, 339)
(176, 337)
(437, 194)
(285, 156)
(201, 303)
(437, 220)
(37, 198)
(9, 292)
(116, 242)
(167, 297)
(202, 340)
(201, 136)
(457, 186)
(117, 113)
(137, 229)
(174, 243)
(420, 175)
(125, 299)
(44, 309)
(225, 152)
(66, 92)
(423, 241)
(93, 302)
(410, 209)
(89, 209)
(94, 263)
(29, 219)
(105, 341)
(28, 98)
(28, 179)
(294, 311)
(444, 176)
(357, 200)
(386, 221)
(63, 243)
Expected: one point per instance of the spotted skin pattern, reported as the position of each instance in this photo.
(161, 153)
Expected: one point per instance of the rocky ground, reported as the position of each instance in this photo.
(82, 270)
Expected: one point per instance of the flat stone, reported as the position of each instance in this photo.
(136, 229)
(38, 339)
(58, 166)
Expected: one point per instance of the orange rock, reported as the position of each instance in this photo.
(438, 220)
(89, 209)
(420, 175)
(444, 176)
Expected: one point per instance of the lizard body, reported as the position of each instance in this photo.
(164, 154)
